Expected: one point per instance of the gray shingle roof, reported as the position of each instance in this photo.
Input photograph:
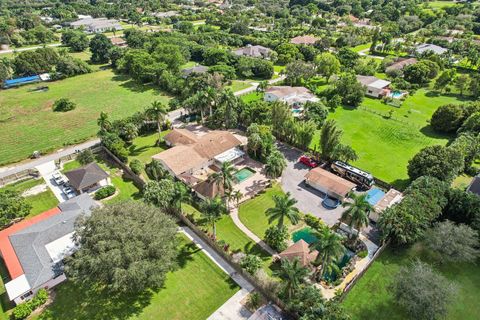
(86, 176)
(29, 243)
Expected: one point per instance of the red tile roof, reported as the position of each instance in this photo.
(8, 253)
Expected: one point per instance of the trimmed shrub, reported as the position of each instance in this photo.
(86, 157)
(314, 222)
(251, 263)
(276, 237)
(362, 254)
(63, 105)
(104, 192)
(136, 166)
(22, 311)
(39, 299)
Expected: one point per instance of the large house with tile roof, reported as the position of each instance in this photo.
(33, 249)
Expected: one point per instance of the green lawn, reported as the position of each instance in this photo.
(29, 124)
(252, 212)
(125, 187)
(441, 4)
(40, 202)
(384, 146)
(252, 96)
(237, 240)
(238, 85)
(144, 147)
(371, 297)
(193, 291)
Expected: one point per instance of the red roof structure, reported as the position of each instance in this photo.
(6, 249)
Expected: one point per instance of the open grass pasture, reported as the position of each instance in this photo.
(372, 298)
(193, 291)
(28, 123)
(384, 146)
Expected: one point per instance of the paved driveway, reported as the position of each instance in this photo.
(309, 199)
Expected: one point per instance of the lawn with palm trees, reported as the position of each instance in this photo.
(253, 213)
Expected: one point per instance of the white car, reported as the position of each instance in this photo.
(69, 192)
(59, 178)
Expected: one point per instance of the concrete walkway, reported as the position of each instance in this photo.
(365, 54)
(232, 309)
(250, 234)
(60, 153)
(29, 48)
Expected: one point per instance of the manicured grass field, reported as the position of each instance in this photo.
(252, 96)
(29, 124)
(193, 291)
(238, 85)
(40, 202)
(441, 4)
(144, 147)
(371, 297)
(384, 146)
(252, 212)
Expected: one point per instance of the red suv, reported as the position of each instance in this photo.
(308, 161)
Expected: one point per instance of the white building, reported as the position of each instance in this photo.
(374, 87)
(426, 47)
(293, 96)
(97, 25)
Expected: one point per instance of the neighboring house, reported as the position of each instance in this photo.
(96, 25)
(389, 199)
(196, 69)
(167, 14)
(193, 158)
(306, 40)
(374, 87)
(87, 178)
(426, 47)
(254, 52)
(301, 251)
(118, 42)
(400, 64)
(474, 186)
(33, 249)
(293, 96)
(329, 183)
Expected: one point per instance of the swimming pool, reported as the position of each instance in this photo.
(304, 234)
(396, 94)
(243, 174)
(374, 195)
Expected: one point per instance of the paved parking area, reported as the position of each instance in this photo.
(309, 199)
(46, 170)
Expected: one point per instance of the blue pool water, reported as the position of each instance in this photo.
(374, 195)
(243, 174)
(396, 94)
(305, 234)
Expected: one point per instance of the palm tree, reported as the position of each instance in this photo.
(237, 196)
(212, 211)
(103, 122)
(254, 143)
(329, 139)
(357, 212)
(157, 111)
(292, 274)
(262, 86)
(275, 165)
(284, 208)
(179, 196)
(225, 176)
(330, 247)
